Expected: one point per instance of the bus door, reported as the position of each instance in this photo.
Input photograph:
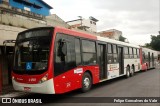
(102, 60)
(121, 60)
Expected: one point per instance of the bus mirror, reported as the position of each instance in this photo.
(64, 49)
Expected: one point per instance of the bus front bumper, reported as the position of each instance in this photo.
(46, 87)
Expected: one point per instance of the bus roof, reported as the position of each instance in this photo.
(88, 36)
(91, 36)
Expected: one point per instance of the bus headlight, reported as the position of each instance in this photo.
(45, 78)
(13, 78)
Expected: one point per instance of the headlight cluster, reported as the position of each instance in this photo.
(45, 78)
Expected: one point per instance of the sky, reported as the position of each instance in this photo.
(137, 19)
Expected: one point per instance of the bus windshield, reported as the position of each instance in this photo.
(32, 51)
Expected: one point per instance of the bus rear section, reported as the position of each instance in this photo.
(148, 58)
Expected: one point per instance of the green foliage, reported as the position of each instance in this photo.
(155, 42)
(147, 45)
(121, 38)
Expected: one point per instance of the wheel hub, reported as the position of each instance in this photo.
(86, 82)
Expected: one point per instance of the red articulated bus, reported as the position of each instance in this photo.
(54, 60)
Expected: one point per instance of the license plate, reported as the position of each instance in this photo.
(27, 89)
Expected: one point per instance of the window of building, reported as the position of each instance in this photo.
(94, 23)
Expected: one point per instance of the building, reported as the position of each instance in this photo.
(84, 24)
(17, 16)
(112, 34)
(33, 6)
(55, 20)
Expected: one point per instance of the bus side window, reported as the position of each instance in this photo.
(131, 52)
(89, 52)
(64, 53)
(71, 63)
(138, 53)
(135, 52)
(115, 54)
(109, 54)
(126, 53)
(78, 51)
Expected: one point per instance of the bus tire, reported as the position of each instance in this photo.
(132, 71)
(86, 82)
(127, 72)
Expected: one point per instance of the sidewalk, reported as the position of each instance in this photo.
(8, 91)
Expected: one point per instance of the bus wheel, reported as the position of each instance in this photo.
(86, 82)
(146, 67)
(132, 71)
(128, 72)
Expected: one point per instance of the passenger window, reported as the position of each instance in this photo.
(138, 53)
(114, 49)
(126, 52)
(109, 48)
(112, 55)
(131, 52)
(89, 52)
(78, 52)
(64, 59)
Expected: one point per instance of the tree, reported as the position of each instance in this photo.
(121, 38)
(155, 42)
(147, 45)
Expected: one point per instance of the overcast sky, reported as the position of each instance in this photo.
(137, 19)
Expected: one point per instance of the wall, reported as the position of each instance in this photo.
(43, 11)
(92, 27)
(8, 33)
(86, 23)
(20, 21)
(54, 20)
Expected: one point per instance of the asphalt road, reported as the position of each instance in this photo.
(142, 84)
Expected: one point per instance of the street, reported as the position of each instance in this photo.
(142, 84)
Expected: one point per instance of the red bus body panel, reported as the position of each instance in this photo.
(69, 81)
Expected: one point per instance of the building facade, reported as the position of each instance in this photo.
(55, 20)
(84, 24)
(112, 34)
(17, 16)
(33, 6)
